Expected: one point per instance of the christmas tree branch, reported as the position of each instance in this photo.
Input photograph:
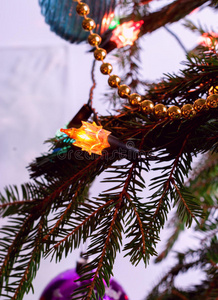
(80, 229)
(202, 183)
(12, 202)
(65, 214)
(103, 254)
(194, 82)
(25, 231)
(178, 226)
(21, 202)
(110, 230)
(203, 258)
(14, 248)
(169, 14)
(166, 190)
(34, 261)
(183, 200)
(140, 223)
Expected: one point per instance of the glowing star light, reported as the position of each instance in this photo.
(126, 33)
(208, 39)
(90, 137)
(106, 21)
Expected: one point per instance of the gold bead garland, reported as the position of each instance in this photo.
(114, 81)
(106, 68)
(82, 9)
(124, 91)
(94, 39)
(135, 99)
(88, 24)
(187, 111)
(160, 111)
(199, 105)
(174, 112)
(100, 54)
(147, 106)
(212, 101)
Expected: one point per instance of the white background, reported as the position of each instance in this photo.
(43, 82)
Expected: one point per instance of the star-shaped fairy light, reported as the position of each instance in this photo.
(126, 33)
(90, 137)
(208, 39)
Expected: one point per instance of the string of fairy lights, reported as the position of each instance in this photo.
(187, 111)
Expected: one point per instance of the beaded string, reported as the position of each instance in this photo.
(187, 111)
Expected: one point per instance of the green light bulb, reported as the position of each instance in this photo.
(114, 23)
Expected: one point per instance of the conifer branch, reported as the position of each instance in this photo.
(77, 228)
(199, 258)
(33, 261)
(102, 257)
(20, 237)
(21, 202)
(13, 256)
(79, 174)
(64, 214)
(192, 82)
(178, 227)
(183, 200)
(169, 14)
(140, 222)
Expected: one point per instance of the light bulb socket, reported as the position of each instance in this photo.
(82, 115)
(125, 150)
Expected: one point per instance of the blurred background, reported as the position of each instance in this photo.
(44, 81)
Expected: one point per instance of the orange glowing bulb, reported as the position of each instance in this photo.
(126, 33)
(90, 137)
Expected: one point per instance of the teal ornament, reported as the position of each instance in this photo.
(63, 19)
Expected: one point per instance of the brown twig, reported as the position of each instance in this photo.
(169, 14)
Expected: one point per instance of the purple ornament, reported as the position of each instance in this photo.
(62, 287)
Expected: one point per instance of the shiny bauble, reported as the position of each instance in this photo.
(62, 287)
(160, 111)
(124, 91)
(147, 106)
(212, 101)
(135, 99)
(114, 81)
(106, 68)
(199, 105)
(174, 112)
(188, 111)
